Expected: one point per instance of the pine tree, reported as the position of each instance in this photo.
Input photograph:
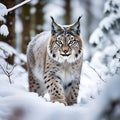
(68, 12)
(106, 40)
(26, 26)
(39, 16)
(106, 58)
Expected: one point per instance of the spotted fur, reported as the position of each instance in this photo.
(55, 62)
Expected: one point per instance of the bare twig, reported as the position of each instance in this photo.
(19, 5)
(97, 73)
(8, 72)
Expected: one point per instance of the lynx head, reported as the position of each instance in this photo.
(65, 44)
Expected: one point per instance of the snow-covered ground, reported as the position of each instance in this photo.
(17, 103)
(15, 97)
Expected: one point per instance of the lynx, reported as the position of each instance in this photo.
(55, 62)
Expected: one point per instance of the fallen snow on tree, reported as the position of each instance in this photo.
(4, 30)
(3, 12)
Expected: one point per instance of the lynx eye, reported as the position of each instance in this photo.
(71, 37)
(71, 42)
(59, 38)
(59, 42)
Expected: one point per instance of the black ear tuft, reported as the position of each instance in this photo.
(75, 28)
(79, 18)
(52, 19)
(54, 27)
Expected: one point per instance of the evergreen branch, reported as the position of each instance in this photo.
(114, 43)
(19, 5)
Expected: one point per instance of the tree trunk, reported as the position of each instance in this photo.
(68, 12)
(26, 26)
(39, 16)
(89, 17)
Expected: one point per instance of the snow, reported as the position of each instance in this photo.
(95, 38)
(19, 5)
(35, 107)
(114, 13)
(15, 97)
(3, 12)
(4, 30)
(107, 7)
(106, 38)
(108, 22)
(103, 103)
(6, 50)
(40, 110)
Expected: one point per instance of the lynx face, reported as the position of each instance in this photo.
(65, 44)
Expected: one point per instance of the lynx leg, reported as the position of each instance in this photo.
(72, 94)
(55, 89)
(35, 85)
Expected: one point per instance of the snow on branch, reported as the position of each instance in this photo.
(4, 11)
(19, 5)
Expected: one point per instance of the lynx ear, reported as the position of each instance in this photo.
(55, 27)
(75, 28)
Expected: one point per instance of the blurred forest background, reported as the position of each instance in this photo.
(34, 17)
(100, 30)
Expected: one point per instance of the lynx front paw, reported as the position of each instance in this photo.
(60, 100)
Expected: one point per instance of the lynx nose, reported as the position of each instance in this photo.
(65, 49)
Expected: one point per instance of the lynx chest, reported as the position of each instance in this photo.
(67, 73)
